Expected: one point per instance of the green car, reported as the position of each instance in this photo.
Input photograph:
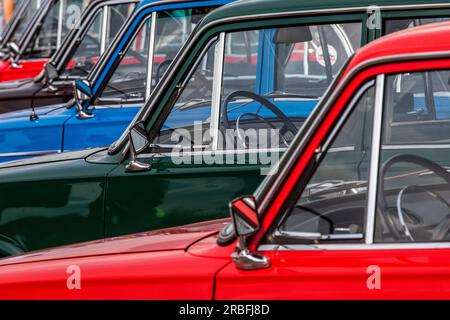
(229, 104)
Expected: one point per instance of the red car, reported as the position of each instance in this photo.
(358, 209)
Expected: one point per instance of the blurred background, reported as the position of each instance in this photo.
(6, 11)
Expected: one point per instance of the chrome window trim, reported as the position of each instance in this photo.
(355, 246)
(28, 153)
(216, 94)
(150, 55)
(60, 24)
(374, 159)
(415, 146)
(208, 152)
(104, 28)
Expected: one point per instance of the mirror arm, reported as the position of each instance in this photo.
(81, 114)
(134, 165)
(14, 63)
(137, 135)
(246, 223)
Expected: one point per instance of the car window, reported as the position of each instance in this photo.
(417, 108)
(277, 102)
(62, 16)
(128, 82)
(332, 205)
(243, 108)
(414, 184)
(393, 25)
(93, 43)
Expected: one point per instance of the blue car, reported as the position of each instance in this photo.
(116, 88)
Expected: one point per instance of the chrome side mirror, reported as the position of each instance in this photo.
(139, 141)
(246, 223)
(82, 92)
(51, 73)
(14, 52)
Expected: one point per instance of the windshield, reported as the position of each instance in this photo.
(96, 38)
(62, 16)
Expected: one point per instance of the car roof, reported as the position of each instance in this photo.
(262, 7)
(430, 38)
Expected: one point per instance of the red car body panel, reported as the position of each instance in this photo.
(26, 70)
(186, 262)
(341, 275)
(179, 238)
(121, 270)
(170, 274)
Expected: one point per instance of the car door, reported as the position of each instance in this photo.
(385, 237)
(219, 138)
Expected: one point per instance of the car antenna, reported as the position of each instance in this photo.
(33, 115)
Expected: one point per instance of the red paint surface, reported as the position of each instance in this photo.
(27, 69)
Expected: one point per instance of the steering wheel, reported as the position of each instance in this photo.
(398, 226)
(288, 125)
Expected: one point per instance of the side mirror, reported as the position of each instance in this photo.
(51, 73)
(14, 52)
(246, 223)
(82, 92)
(13, 49)
(139, 141)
